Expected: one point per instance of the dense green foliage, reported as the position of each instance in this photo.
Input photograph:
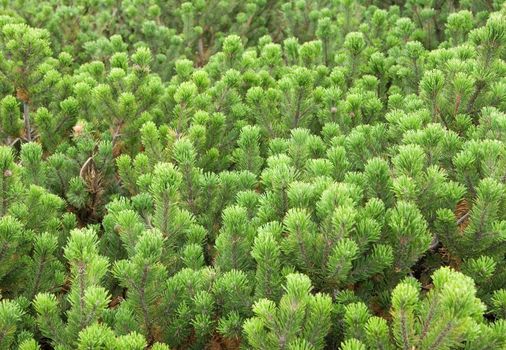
(254, 174)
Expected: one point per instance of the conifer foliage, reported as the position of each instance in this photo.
(257, 174)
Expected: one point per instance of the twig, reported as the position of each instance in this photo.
(81, 172)
(434, 243)
(16, 140)
(26, 116)
(479, 87)
(117, 133)
(463, 218)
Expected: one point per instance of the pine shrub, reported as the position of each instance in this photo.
(258, 174)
